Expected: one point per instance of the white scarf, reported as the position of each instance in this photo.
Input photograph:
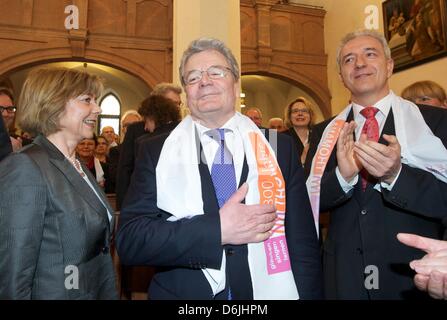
(420, 148)
(98, 170)
(179, 192)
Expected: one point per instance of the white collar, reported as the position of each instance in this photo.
(384, 105)
(231, 125)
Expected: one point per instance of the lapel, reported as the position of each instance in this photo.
(389, 129)
(58, 160)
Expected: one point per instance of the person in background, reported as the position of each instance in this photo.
(426, 93)
(255, 115)
(101, 150)
(193, 207)
(298, 117)
(109, 133)
(5, 141)
(277, 124)
(8, 111)
(129, 117)
(127, 154)
(55, 220)
(161, 115)
(85, 151)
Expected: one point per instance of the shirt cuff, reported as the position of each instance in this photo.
(345, 185)
(390, 186)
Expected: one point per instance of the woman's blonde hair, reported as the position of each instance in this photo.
(45, 94)
(288, 111)
(424, 88)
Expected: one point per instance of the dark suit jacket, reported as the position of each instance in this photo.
(5, 142)
(167, 128)
(363, 228)
(300, 147)
(127, 160)
(184, 247)
(51, 220)
(112, 161)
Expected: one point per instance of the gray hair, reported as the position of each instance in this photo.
(130, 113)
(204, 44)
(164, 87)
(360, 33)
(254, 109)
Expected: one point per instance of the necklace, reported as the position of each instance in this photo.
(75, 162)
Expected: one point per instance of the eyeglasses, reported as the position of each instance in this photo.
(10, 109)
(213, 72)
(300, 111)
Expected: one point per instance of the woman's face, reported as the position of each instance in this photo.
(78, 121)
(86, 148)
(299, 115)
(102, 146)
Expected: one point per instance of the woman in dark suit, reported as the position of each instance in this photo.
(299, 120)
(54, 219)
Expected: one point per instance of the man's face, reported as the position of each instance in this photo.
(8, 117)
(109, 134)
(255, 117)
(174, 97)
(211, 102)
(365, 70)
(276, 124)
(127, 121)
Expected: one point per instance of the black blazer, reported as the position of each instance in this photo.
(363, 227)
(182, 248)
(127, 160)
(300, 147)
(5, 141)
(51, 221)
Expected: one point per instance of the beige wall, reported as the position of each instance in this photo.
(344, 16)
(272, 96)
(200, 18)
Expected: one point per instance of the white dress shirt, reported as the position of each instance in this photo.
(384, 106)
(232, 140)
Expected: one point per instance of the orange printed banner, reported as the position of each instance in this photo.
(319, 163)
(272, 190)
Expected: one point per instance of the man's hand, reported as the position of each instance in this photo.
(16, 143)
(241, 224)
(347, 163)
(432, 268)
(382, 162)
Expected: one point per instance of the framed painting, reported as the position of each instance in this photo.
(415, 31)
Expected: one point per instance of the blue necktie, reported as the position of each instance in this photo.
(222, 170)
(223, 174)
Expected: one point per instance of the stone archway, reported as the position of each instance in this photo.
(148, 75)
(311, 87)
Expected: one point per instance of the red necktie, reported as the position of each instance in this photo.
(371, 129)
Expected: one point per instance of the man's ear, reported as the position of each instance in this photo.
(390, 67)
(341, 79)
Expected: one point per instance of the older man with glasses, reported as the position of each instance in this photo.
(207, 203)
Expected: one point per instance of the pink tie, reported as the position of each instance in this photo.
(371, 129)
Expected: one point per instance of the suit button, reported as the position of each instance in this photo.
(359, 250)
(363, 212)
(230, 252)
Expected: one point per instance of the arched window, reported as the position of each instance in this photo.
(111, 111)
